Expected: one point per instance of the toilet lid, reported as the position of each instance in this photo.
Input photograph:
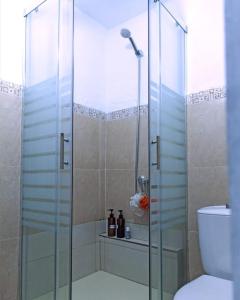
(206, 287)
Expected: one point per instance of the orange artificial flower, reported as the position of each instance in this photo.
(144, 202)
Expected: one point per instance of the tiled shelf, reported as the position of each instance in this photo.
(139, 242)
(133, 241)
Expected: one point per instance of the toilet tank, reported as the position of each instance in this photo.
(215, 240)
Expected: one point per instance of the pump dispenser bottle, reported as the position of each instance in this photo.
(111, 224)
(120, 225)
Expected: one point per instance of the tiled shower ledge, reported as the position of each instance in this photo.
(138, 242)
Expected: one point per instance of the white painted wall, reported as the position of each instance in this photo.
(11, 40)
(105, 64)
(204, 52)
(205, 48)
(42, 44)
(89, 61)
(205, 44)
(122, 64)
(106, 68)
(177, 7)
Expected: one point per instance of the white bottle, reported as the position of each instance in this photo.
(128, 233)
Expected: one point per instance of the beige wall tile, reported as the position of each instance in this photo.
(10, 183)
(195, 264)
(10, 203)
(88, 142)
(120, 143)
(207, 186)
(10, 133)
(207, 170)
(86, 195)
(10, 102)
(143, 153)
(120, 161)
(206, 135)
(101, 144)
(102, 195)
(89, 165)
(141, 220)
(10, 153)
(120, 187)
(9, 269)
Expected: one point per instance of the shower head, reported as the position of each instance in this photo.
(126, 34)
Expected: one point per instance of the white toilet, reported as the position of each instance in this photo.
(215, 246)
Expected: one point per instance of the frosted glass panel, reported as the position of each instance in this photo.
(46, 188)
(168, 183)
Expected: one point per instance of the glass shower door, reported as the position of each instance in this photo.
(47, 153)
(168, 154)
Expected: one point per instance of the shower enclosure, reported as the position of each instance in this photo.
(102, 121)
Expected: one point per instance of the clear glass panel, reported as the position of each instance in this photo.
(47, 189)
(65, 124)
(154, 132)
(106, 77)
(168, 183)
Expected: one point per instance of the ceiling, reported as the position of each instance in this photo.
(112, 12)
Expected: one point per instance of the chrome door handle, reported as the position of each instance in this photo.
(157, 143)
(62, 149)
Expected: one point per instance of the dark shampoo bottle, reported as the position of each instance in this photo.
(120, 225)
(111, 224)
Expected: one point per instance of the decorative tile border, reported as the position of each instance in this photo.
(211, 95)
(88, 111)
(10, 88)
(127, 113)
(115, 115)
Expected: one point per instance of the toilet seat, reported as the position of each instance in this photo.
(206, 287)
